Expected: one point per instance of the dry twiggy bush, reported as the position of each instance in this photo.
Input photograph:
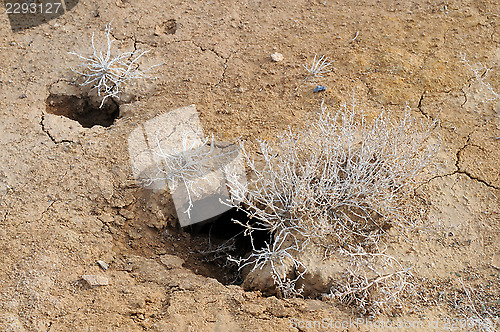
(339, 185)
(107, 72)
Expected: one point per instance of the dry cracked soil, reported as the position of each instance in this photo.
(68, 198)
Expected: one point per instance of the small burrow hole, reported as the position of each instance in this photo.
(83, 109)
(170, 26)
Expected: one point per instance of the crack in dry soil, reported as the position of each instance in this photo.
(203, 49)
(465, 98)
(223, 76)
(419, 107)
(457, 170)
(46, 131)
(464, 171)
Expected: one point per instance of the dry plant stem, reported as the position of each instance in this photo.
(278, 256)
(367, 275)
(480, 72)
(187, 167)
(473, 320)
(222, 250)
(318, 67)
(336, 175)
(107, 73)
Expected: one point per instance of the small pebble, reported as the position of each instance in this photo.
(103, 265)
(276, 57)
(320, 88)
(95, 281)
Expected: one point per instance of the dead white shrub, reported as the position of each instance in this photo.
(341, 183)
(108, 73)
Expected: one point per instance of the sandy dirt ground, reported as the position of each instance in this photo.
(68, 197)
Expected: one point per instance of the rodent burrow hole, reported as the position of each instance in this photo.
(214, 242)
(83, 109)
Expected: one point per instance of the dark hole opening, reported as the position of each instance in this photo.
(83, 109)
(214, 242)
(170, 26)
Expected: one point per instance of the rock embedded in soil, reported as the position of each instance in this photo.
(276, 308)
(277, 57)
(95, 280)
(127, 214)
(103, 265)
